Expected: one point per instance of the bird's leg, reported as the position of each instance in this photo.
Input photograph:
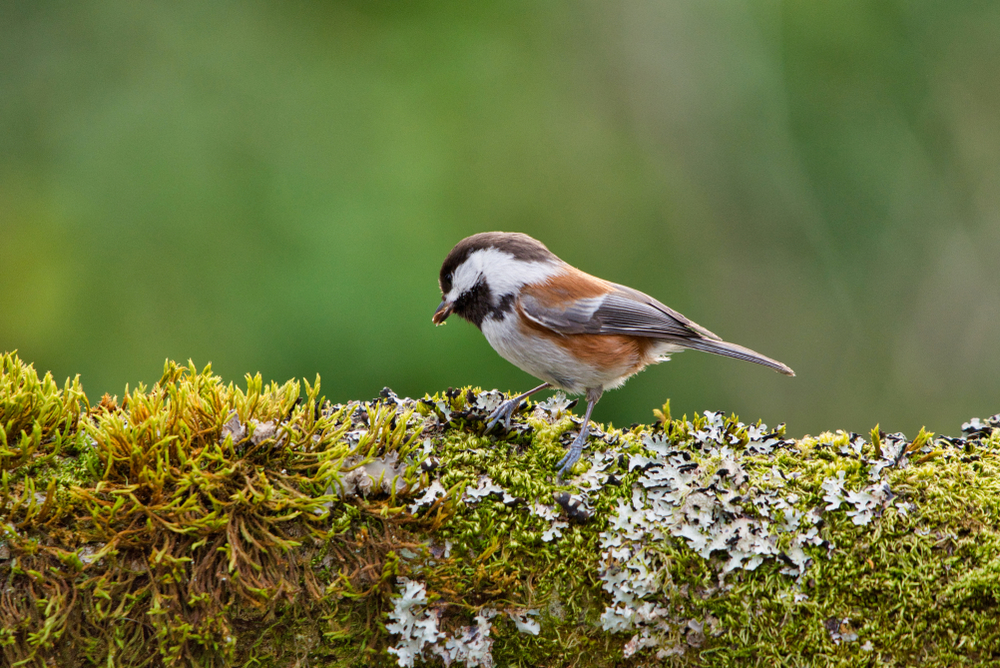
(576, 448)
(507, 409)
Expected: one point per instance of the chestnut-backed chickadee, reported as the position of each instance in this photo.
(574, 331)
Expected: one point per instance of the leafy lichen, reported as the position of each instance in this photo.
(201, 523)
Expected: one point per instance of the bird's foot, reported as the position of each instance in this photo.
(573, 454)
(505, 412)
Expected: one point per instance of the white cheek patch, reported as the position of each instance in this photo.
(504, 273)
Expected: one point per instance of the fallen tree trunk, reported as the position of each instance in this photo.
(199, 523)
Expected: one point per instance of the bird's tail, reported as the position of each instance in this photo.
(727, 349)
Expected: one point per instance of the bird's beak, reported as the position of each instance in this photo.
(444, 309)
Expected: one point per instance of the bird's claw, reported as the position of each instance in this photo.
(505, 412)
(572, 455)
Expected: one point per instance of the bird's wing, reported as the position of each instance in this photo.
(621, 311)
(633, 313)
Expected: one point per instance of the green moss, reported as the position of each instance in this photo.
(203, 523)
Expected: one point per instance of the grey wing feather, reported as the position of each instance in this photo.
(576, 318)
(628, 311)
(633, 313)
(624, 311)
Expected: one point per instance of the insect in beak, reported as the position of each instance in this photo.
(444, 309)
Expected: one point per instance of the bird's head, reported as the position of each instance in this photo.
(483, 274)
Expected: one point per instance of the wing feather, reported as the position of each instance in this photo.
(633, 313)
(622, 311)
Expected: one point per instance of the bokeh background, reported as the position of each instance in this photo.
(272, 186)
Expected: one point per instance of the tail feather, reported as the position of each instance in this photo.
(735, 351)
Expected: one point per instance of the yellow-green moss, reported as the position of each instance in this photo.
(201, 523)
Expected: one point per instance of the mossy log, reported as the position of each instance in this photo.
(201, 523)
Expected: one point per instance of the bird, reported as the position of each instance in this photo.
(574, 331)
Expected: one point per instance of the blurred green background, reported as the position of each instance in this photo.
(272, 186)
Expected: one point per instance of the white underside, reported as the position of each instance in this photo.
(545, 359)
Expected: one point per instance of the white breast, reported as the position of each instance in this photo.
(545, 359)
(535, 355)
